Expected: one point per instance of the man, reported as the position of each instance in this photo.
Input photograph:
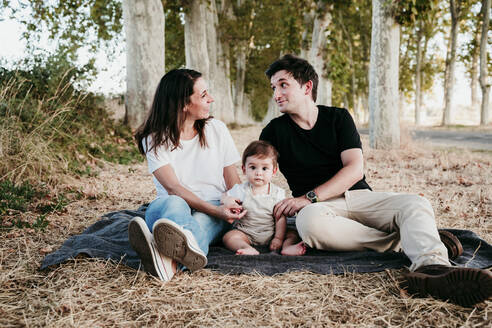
(321, 158)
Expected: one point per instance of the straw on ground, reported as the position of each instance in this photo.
(87, 293)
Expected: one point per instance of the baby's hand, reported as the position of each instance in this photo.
(276, 244)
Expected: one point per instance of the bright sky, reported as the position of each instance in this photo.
(111, 77)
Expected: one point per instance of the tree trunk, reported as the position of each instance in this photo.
(362, 108)
(384, 125)
(144, 31)
(241, 103)
(354, 99)
(474, 83)
(315, 55)
(401, 103)
(353, 81)
(242, 114)
(204, 53)
(450, 65)
(485, 112)
(422, 76)
(272, 111)
(308, 20)
(418, 75)
(196, 51)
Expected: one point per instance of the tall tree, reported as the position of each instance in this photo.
(144, 30)
(469, 54)
(384, 123)
(174, 27)
(205, 53)
(419, 21)
(348, 49)
(241, 107)
(353, 80)
(475, 55)
(238, 18)
(418, 75)
(429, 67)
(484, 83)
(315, 50)
(91, 23)
(458, 9)
(70, 25)
(277, 30)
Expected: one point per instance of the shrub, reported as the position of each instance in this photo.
(48, 127)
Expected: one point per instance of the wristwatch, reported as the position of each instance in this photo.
(311, 196)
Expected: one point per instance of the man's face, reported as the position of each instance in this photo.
(287, 92)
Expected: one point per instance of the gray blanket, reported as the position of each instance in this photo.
(108, 239)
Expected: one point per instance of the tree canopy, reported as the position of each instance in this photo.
(260, 31)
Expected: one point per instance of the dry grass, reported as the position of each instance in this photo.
(44, 135)
(28, 154)
(88, 293)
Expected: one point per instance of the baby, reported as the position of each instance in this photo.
(258, 196)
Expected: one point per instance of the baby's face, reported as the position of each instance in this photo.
(259, 171)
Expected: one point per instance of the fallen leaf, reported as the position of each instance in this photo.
(46, 250)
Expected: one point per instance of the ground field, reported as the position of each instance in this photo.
(96, 293)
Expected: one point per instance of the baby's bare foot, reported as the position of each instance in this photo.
(247, 251)
(294, 250)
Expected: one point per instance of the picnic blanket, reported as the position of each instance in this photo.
(108, 239)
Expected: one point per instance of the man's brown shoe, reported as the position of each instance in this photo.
(462, 286)
(452, 244)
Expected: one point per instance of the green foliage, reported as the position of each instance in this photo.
(49, 127)
(407, 12)
(348, 50)
(43, 75)
(174, 35)
(407, 61)
(421, 29)
(73, 24)
(15, 199)
(470, 49)
(264, 30)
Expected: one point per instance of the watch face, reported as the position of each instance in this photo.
(311, 195)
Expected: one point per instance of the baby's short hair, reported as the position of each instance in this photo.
(261, 149)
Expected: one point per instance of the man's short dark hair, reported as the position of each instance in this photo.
(302, 71)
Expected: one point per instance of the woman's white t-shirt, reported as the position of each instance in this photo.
(198, 169)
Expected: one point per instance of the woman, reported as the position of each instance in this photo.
(191, 157)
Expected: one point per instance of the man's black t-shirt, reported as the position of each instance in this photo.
(309, 158)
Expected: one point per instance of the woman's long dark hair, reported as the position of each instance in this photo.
(166, 117)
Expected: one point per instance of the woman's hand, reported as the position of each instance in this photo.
(232, 202)
(231, 213)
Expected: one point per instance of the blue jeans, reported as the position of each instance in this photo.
(205, 228)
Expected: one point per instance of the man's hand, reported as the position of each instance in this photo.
(289, 206)
(276, 244)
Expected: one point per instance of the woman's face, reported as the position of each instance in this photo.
(200, 100)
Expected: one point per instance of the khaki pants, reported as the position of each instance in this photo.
(380, 221)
